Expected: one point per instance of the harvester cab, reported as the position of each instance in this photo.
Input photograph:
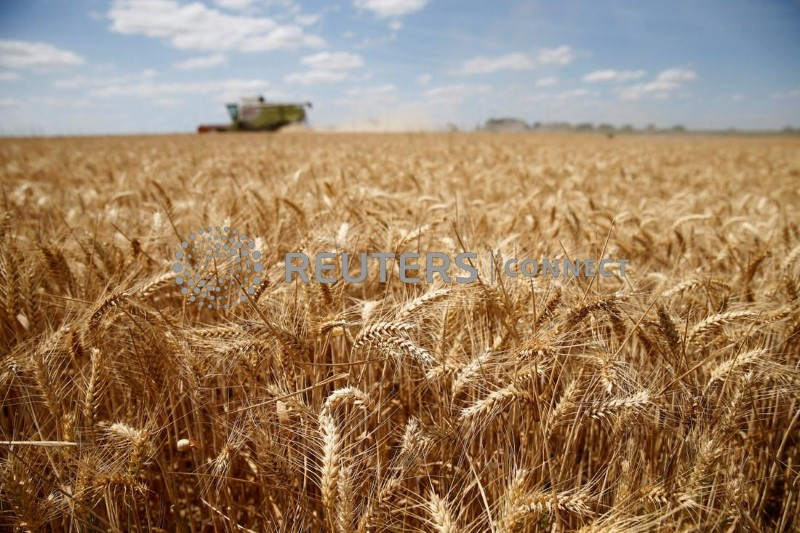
(256, 114)
(233, 111)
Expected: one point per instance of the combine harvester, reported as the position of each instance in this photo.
(254, 114)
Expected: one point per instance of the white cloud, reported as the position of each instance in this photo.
(486, 65)
(151, 89)
(549, 81)
(9, 103)
(616, 76)
(562, 55)
(664, 85)
(282, 38)
(166, 102)
(197, 27)
(574, 93)
(243, 5)
(371, 92)
(71, 83)
(63, 103)
(378, 89)
(313, 77)
(390, 8)
(333, 61)
(234, 4)
(371, 42)
(564, 99)
(325, 67)
(453, 94)
(82, 81)
(307, 20)
(36, 56)
(9, 76)
(395, 25)
(201, 62)
(374, 96)
(424, 79)
(794, 93)
(676, 76)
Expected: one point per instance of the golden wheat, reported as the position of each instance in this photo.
(662, 400)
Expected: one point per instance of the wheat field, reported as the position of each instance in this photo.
(663, 400)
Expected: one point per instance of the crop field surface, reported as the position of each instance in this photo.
(662, 398)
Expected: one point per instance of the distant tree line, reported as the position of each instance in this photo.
(512, 124)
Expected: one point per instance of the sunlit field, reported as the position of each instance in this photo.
(667, 399)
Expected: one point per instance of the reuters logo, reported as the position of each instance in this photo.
(218, 267)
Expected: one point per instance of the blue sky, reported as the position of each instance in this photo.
(92, 66)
